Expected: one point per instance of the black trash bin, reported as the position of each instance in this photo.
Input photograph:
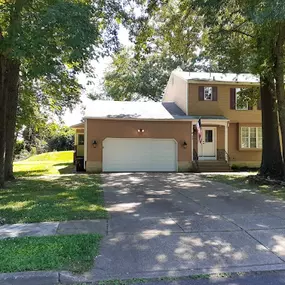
(80, 164)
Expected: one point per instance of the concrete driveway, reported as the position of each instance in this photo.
(182, 224)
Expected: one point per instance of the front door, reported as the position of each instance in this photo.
(207, 149)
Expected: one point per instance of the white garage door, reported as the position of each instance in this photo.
(139, 155)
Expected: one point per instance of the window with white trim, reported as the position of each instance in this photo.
(251, 137)
(80, 139)
(208, 93)
(240, 104)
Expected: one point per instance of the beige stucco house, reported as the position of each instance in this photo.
(161, 136)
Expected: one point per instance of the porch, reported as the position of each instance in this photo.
(211, 154)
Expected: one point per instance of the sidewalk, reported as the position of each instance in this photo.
(54, 228)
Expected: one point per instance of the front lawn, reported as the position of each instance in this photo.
(52, 198)
(38, 196)
(241, 181)
(44, 164)
(74, 253)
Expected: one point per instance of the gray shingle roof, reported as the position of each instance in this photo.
(132, 110)
(140, 110)
(218, 77)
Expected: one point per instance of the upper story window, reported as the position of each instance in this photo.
(240, 103)
(251, 137)
(208, 93)
(238, 100)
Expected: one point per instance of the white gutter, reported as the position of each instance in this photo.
(154, 120)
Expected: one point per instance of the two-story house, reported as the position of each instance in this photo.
(163, 136)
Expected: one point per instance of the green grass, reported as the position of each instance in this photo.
(73, 253)
(241, 181)
(54, 198)
(31, 198)
(45, 164)
(66, 156)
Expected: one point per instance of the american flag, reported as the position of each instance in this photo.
(199, 130)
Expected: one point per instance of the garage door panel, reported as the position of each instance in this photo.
(139, 155)
(164, 155)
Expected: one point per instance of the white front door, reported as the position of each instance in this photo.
(207, 149)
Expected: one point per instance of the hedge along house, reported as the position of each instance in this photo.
(161, 136)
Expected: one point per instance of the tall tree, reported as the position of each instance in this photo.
(130, 78)
(237, 36)
(43, 39)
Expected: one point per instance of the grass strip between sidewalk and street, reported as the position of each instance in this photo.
(73, 253)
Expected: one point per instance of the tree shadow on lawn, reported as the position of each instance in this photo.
(54, 198)
(65, 168)
(48, 169)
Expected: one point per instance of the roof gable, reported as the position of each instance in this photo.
(227, 78)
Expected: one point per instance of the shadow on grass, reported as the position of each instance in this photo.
(59, 168)
(39, 172)
(66, 168)
(55, 198)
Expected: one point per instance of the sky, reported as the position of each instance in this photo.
(74, 117)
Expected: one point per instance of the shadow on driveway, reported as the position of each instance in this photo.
(180, 224)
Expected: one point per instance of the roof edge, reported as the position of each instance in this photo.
(149, 119)
(216, 82)
(77, 126)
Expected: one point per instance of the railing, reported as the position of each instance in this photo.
(223, 155)
(195, 159)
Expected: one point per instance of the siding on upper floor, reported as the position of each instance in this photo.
(176, 91)
(220, 107)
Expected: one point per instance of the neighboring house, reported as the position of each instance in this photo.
(152, 136)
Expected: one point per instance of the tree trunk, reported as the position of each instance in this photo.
(11, 114)
(279, 78)
(272, 163)
(3, 98)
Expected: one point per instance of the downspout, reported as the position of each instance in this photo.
(85, 143)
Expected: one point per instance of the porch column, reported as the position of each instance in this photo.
(226, 139)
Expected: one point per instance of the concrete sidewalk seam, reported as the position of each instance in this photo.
(246, 231)
(199, 204)
(264, 246)
(53, 228)
(177, 224)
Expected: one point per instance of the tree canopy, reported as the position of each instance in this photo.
(131, 78)
(43, 45)
(231, 36)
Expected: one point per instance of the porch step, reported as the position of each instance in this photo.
(214, 166)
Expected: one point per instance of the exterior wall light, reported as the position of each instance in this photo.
(94, 144)
(140, 130)
(184, 144)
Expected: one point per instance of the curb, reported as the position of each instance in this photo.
(30, 278)
(68, 278)
(42, 278)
